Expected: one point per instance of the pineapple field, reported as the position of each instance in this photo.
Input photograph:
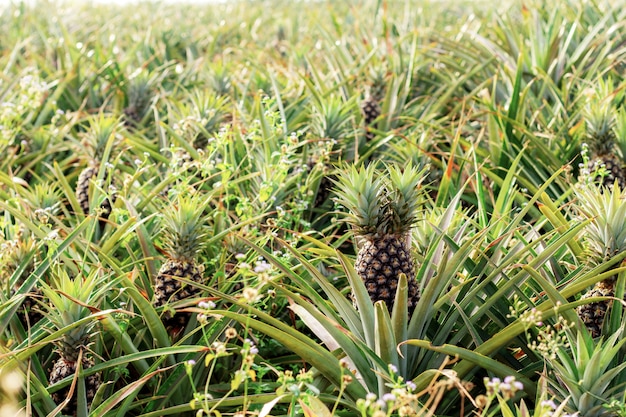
(264, 208)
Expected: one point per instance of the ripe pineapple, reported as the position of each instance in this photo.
(593, 314)
(82, 187)
(184, 233)
(371, 106)
(599, 120)
(73, 347)
(604, 238)
(82, 193)
(382, 210)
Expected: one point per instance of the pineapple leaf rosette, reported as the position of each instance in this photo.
(587, 374)
(69, 311)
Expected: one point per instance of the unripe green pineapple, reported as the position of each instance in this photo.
(371, 106)
(604, 237)
(603, 152)
(382, 209)
(68, 305)
(184, 234)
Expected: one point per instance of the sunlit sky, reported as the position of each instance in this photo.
(17, 2)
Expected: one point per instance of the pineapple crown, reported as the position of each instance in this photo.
(377, 83)
(69, 306)
(184, 227)
(332, 117)
(14, 254)
(101, 136)
(599, 118)
(605, 235)
(46, 199)
(380, 203)
(620, 129)
(140, 90)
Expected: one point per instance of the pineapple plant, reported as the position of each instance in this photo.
(331, 129)
(184, 231)
(584, 373)
(604, 238)
(68, 312)
(382, 209)
(139, 93)
(97, 142)
(18, 253)
(605, 163)
(371, 106)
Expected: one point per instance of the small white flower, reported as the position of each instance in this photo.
(207, 305)
(388, 397)
(261, 266)
(250, 294)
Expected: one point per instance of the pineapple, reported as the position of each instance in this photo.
(68, 305)
(325, 183)
(184, 233)
(21, 252)
(604, 238)
(83, 195)
(82, 187)
(382, 210)
(28, 312)
(101, 132)
(331, 132)
(603, 153)
(140, 94)
(592, 314)
(371, 106)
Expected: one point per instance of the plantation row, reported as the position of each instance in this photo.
(276, 208)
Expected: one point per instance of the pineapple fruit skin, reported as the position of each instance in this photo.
(593, 314)
(380, 262)
(169, 289)
(82, 193)
(63, 368)
(614, 170)
(82, 187)
(132, 115)
(371, 111)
